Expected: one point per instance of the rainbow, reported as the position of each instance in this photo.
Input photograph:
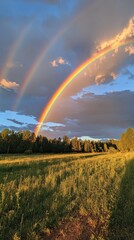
(70, 78)
(34, 67)
(13, 51)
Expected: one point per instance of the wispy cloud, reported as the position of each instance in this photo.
(59, 61)
(8, 85)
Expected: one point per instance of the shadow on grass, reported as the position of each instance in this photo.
(121, 225)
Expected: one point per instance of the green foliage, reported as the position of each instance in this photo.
(75, 145)
(66, 144)
(127, 140)
(27, 142)
(105, 147)
(5, 133)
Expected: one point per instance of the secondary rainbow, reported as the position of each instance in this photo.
(70, 78)
(13, 51)
(41, 56)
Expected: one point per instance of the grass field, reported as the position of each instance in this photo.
(74, 196)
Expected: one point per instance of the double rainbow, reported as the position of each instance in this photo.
(34, 67)
(39, 59)
(70, 78)
(15, 47)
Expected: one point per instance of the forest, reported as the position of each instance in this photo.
(26, 142)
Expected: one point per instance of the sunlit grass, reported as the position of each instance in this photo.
(38, 191)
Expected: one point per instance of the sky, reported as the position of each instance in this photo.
(43, 42)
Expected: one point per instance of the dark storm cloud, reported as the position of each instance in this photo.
(111, 109)
(6, 98)
(106, 115)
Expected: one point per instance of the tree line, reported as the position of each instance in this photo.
(26, 142)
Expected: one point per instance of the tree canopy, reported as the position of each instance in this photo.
(27, 142)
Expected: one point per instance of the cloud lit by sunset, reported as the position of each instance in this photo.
(8, 85)
(59, 61)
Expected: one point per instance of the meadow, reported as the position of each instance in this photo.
(70, 196)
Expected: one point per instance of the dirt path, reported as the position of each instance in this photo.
(78, 228)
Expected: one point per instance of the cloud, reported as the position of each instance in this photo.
(128, 73)
(59, 61)
(8, 85)
(130, 49)
(51, 1)
(52, 126)
(105, 78)
(16, 120)
(75, 43)
(127, 33)
(100, 79)
(105, 115)
(115, 52)
(46, 1)
(113, 75)
(54, 63)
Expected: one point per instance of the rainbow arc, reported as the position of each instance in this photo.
(71, 77)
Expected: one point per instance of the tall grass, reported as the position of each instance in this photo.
(37, 192)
